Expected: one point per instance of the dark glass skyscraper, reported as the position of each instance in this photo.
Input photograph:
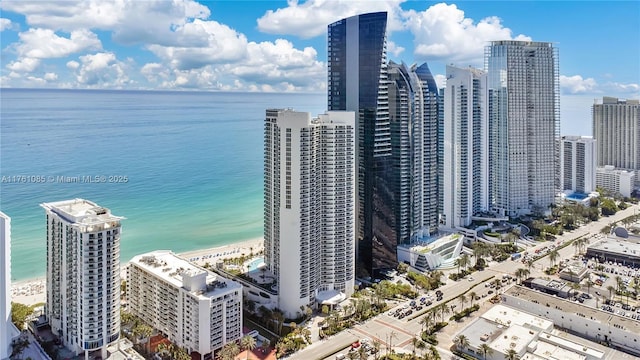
(357, 81)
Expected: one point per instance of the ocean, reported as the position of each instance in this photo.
(184, 168)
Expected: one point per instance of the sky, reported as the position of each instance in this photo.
(280, 46)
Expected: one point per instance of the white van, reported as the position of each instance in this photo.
(341, 357)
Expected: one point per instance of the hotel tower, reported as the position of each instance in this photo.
(83, 275)
(309, 199)
(466, 182)
(524, 125)
(616, 128)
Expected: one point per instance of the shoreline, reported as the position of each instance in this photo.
(33, 291)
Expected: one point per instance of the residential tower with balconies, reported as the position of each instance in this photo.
(309, 206)
(197, 310)
(83, 275)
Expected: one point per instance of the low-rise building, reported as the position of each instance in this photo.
(432, 254)
(615, 249)
(574, 272)
(196, 309)
(617, 181)
(551, 287)
(587, 322)
(505, 328)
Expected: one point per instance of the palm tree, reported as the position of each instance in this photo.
(497, 283)
(415, 342)
(553, 256)
(589, 283)
(362, 353)
(575, 287)
(519, 273)
(485, 350)
(458, 263)
(229, 351)
(472, 296)
(530, 263)
(265, 345)
(611, 291)
(444, 310)
(619, 284)
(248, 343)
(142, 333)
(181, 354)
(425, 321)
(463, 299)
(464, 261)
(461, 342)
(433, 353)
(511, 355)
(278, 316)
(525, 273)
(376, 349)
(478, 251)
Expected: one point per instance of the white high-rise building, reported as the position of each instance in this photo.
(616, 127)
(524, 123)
(83, 275)
(7, 330)
(198, 310)
(578, 164)
(466, 180)
(309, 199)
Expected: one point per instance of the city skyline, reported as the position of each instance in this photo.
(278, 46)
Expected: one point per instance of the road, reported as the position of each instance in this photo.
(398, 333)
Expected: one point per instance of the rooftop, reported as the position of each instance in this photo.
(82, 212)
(510, 316)
(514, 337)
(567, 306)
(423, 247)
(180, 273)
(616, 246)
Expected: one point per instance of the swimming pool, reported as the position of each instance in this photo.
(255, 264)
(577, 196)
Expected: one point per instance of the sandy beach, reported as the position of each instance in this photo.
(33, 291)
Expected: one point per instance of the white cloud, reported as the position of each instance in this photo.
(393, 48)
(132, 21)
(266, 66)
(202, 78)
(44, 43)
(102, 70)
(577, 85)
(50, 76)
(280, 64)
(24, 65)
(73, 64)
(442, 32)
(310, 19)
(220, 44)
(5, 24)
(153, 71)
(622, 88)
(441, 80)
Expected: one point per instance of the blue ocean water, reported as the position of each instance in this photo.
(192, 160)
